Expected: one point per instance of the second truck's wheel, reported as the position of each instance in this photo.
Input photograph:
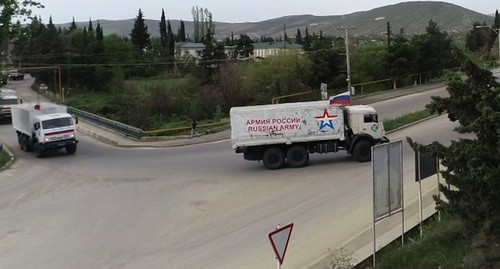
(274, 158)
(28, 147)
(71, 149)
(22, 143)
(297, 156)
(362, 151)
(38, 150)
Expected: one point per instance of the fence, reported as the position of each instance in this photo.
(119, 127)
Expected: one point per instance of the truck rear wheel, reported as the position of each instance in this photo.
(362, 151)
(20, 139)
(274, 158)
(297, 156)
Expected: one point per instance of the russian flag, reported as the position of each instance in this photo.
(341, 99)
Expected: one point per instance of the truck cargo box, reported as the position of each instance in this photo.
(286, 123)
(23, 115)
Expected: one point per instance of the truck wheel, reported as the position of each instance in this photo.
(363, 151)
(297, 156)
(28, 147)
(38, 150)
(71, 149)
(274, 158)
(20, 139)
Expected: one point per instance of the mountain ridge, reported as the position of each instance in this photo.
(412, 17)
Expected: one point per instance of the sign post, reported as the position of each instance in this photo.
(279, 241)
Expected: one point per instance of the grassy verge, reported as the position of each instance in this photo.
(443, 246)
(392, 124)
(4, 158)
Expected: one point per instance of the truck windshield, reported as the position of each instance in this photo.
(8, 101)
(56, 123)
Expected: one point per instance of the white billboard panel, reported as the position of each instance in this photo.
(387, 178)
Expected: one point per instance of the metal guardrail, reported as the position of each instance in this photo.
(119, 127)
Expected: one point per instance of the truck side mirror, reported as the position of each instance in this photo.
(76, 120)
(36, 125)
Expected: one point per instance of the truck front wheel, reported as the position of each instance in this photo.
(297, 156)
(274, 158)
(38, 150)
(71, 149)
(362, 151)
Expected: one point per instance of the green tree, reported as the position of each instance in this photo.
(434, 49)
(99, 32)
(307, 40)
(298, 37)
(181, 33)
(472, 164)
(477, 39)
(170, 46)
(73, 26)
(244, 47)
(211, 57)
(369, 63)
(140, 36)
(327, 64)
(277, 76)
(11, 9)
(401, 57)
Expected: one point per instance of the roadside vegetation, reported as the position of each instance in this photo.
(392, 124)
(443, 245)
(4, 158)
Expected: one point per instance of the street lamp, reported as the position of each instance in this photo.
(496, 31)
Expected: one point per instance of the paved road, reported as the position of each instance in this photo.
(199, 206)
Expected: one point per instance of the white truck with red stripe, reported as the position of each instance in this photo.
(287, 133)
(44, 126)
(8, 98)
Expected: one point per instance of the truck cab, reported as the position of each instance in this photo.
(363, 119)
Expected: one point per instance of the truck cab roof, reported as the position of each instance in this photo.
(360, 109)
(45, 117)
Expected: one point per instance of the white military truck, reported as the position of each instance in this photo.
(44, 126)
(8, 98)
(288, 133)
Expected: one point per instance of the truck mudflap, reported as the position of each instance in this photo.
(58, 144)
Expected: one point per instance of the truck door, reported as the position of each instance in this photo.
(372, 126)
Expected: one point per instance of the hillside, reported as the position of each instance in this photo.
(413, 17)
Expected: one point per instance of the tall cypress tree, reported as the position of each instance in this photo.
(140, 36)
(307, 40)
(181, 34)
(170, 44)
(99, 33)
(298, 37)
(73, 26)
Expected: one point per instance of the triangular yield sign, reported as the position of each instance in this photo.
(279, 240)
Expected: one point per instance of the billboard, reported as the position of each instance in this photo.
(387, 166)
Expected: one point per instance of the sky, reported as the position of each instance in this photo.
(63, 11)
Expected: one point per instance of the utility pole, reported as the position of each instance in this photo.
(348, 62)
(388, 34)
